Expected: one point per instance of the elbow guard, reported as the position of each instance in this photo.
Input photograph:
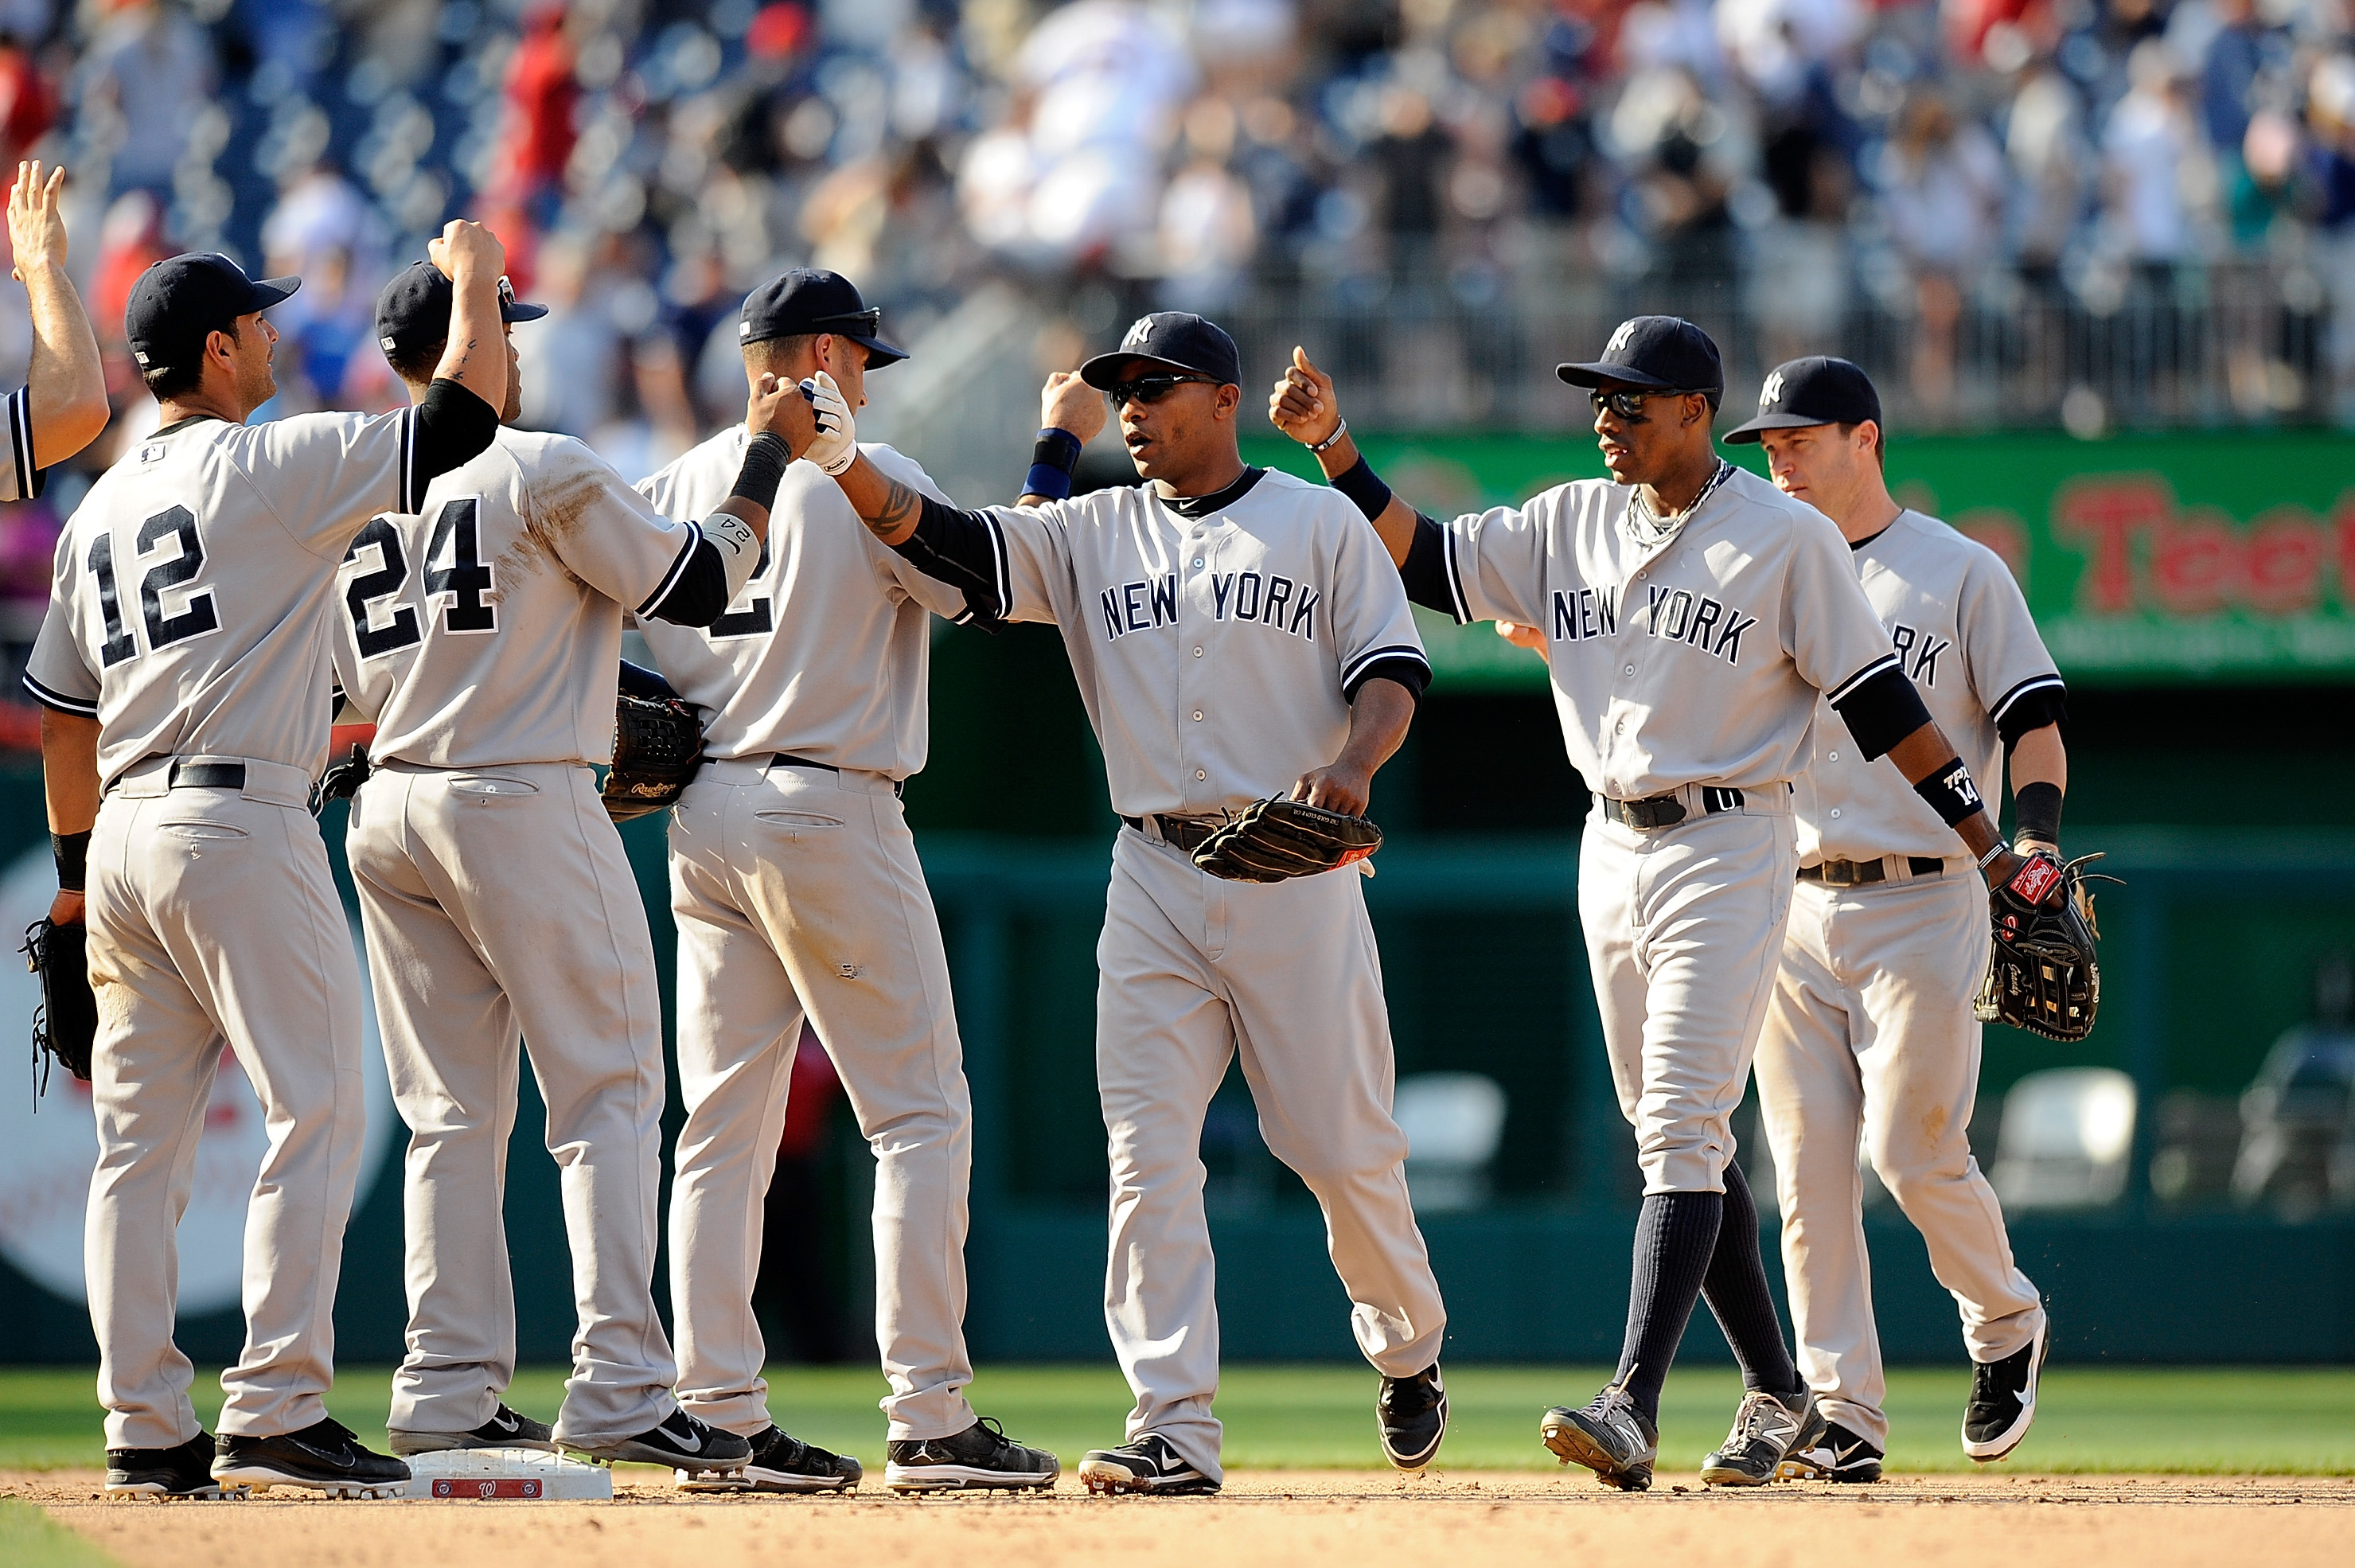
(739, 550)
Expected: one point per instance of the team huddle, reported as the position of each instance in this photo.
(1786, 697)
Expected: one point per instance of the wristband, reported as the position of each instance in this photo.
(1364, 486)
(72, 852)
(1340, 430)
(1950, 793)
(766, 457)
(1994, 850)
(2040, 811)
(1052, 459)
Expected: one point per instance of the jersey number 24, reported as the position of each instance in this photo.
(454, 571)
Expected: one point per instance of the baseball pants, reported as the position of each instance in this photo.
(214, 922)
(797, 889)
(498, 902)
(1684, 928)
(1870, 1037)
(1196, 971)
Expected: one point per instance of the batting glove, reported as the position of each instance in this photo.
(837, 446)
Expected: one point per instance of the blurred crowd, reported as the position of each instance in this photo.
(647, 162)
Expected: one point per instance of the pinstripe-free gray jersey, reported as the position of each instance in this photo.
(189, 609)
(825, 654)
(1961, 627)
(486, 628)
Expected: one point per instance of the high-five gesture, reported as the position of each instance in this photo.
(37, 229)
(66, 386)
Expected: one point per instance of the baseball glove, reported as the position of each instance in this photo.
(1274, 839)
(657, 746)
(2043, 975)
(66, 1025)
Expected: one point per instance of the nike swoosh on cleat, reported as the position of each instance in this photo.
(690, 1441)
(507, 1422)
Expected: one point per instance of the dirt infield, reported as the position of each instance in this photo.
(1280, 1519)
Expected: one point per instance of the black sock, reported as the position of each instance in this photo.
(1736, 1290)
(1675, 1236)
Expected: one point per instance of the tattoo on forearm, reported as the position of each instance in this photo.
(901, 504)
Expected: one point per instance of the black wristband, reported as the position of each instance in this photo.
(72, 852)
(1052, 461)
(2039, 807)
(1950, 793)
(766, 458)
(1364, 486)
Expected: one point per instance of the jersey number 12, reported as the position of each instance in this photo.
(196, 616)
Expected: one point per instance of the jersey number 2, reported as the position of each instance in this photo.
(196, 617)
(456, 540)
(757, 620)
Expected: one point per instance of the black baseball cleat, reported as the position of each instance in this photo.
(1610, 1437)
(1150, 1466)
(1838, 1455)
(1412, 1415)
(980, 1457)
(181, 1471)
(678, 1440)
(2003, 1399)
(505, 1429)
(323, 1456)
(780, 1463)
(1766, 1432)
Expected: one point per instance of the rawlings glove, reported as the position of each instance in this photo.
(837, 446)
(1273, 840)
(2043, 975)
(66, 1027)
(657, 746)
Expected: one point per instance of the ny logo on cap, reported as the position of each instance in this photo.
(1138, 332)
(1619, 340)
(1771, 393)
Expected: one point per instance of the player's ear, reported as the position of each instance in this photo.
(1225, 400)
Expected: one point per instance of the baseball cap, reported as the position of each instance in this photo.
(1658, 353)
(1816, 390)
(808, 299)
(1176, 338)
(180, 301)
(414, 311)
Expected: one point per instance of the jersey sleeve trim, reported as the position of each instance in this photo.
(2032, 684)
(1355, 670)
(30, 478)
(86, 708)
(2032, 705)
(1005, 576)
(1880, 707)
(677, 571)
(1463, 605)
(1840, 693)
(411, 498)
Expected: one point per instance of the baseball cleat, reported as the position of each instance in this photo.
(2003, 1399)
(1610, 1437)
(980, 1457)
(780, 1463)
(1411, 1414)
(1838, 1455)
(182, 1471)
(505, 1429)
(678, 1440)
(1766, 1432)
(323, 1456)
(1150, 1466)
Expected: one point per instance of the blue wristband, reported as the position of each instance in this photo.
(1052, 462)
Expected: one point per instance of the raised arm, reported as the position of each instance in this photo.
(1302, 406)
(67, 384)
(476, 356)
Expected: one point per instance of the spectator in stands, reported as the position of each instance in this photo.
(1942, 190)
(147, 75)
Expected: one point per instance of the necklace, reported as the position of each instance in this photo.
(1648, 526)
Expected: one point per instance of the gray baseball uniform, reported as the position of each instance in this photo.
(1217, 644)
(189, 615)
(1687, 666)
(796, 888)
(482, 634)
(1869, 1033)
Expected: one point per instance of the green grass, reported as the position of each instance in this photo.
(30, 1538)
(2298, 1421)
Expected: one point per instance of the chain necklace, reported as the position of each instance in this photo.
(1652, 530)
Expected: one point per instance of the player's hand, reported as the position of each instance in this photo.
(36, 228)
(836, 446)
(464, 249)
(1337, 788)
(767, 403)
(1522, 636)
(1303, 405)
(69, 909)
(1069, 403)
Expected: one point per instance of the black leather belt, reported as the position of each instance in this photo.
(1856, 873)
(206, 775)
(899, 786)
(1176, 832)
(1665, 810)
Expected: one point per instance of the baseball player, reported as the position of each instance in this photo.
(1236, 634)
(797, 889)
(1869, 1032)
(1695, 616)
(186, 658)
(480, 631)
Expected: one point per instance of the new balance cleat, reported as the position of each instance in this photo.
(1766, 1432)
(1610, 1437)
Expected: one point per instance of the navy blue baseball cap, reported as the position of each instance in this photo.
(414, 311)
(806, 301)
(178, 303)
(1815, 391)
(1176, 340)
(1657, 353)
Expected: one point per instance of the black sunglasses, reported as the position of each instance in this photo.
(864, 321)
(1629, 405)
(1150, 388)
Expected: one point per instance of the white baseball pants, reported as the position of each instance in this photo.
(1196, 970)
(1870, 1036)
(498, 902)
(214, 922)
(796, 888)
